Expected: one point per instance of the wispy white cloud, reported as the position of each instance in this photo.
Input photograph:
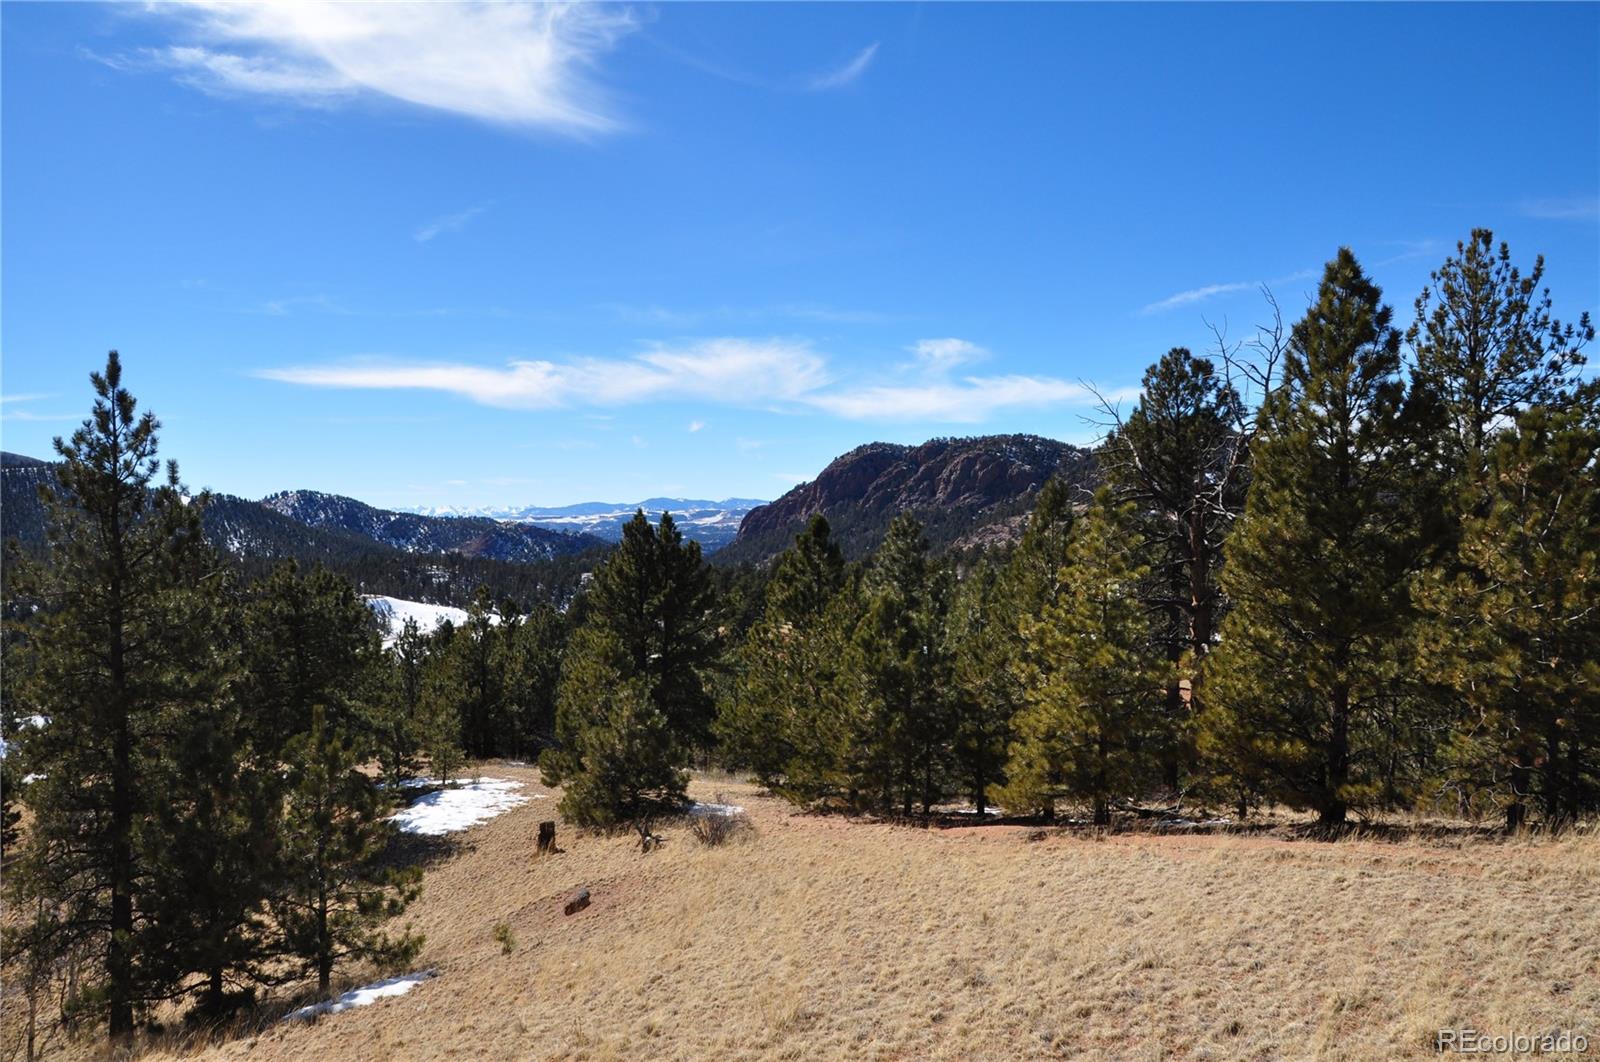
(689, 318)
(942, 355)
(516, 64)
(10, 402)
(794, 479)
(1409, 249)
(780, 374)
(970, 400)
(447, 223)
(1196, 295)
(756, 370)
(283, 307)
(844, 75)
(1581, 208)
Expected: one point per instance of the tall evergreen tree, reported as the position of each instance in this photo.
(654, 596)
(898, 658)
(475, 679)
(1031, 583)
(309, 643)
(337, 888)
(222, 815)
(400, 728)
(123, 653)
(1093, 673)
(618, 759)
(1179, 457)
(648, 630)
(529, 659)
(980, 636)
(1516, 636)
(786, 662)
(1311, 686)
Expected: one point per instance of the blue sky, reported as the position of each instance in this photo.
(489, 255)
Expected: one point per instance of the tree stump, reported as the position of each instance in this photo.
(578, 901)
(547, 837)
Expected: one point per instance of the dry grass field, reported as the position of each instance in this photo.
(818, 937)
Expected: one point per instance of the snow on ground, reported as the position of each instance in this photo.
(448, 810)
(394, 611)
(702, 809)
(360, 997)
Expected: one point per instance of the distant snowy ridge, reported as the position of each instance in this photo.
(711, 523)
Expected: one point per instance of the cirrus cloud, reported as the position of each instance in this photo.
(516, 64)
(780, 374)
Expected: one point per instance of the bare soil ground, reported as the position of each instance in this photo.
(820, 937)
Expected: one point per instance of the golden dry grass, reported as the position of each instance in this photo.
(824, 938)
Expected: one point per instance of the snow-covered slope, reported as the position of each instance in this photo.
(394, 612)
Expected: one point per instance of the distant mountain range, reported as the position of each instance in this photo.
(404, 555)
(472, 536)
(713, 524)
(968, 492)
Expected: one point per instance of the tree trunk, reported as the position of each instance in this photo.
(212, 1002)
(1337, 774)
(119, 950)
(1517, 810)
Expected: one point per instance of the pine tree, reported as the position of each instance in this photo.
(1179, 457)
(649, 625)
(1488, 348)
(400, 729)
(222, 814)
(786, 665)
(1313, 691)
(981, 643)
(619, 760)
(530, 662)
(896, 654)
(653, 595)
(123, 653)
(1033, 571)
(309, 643)
(1516, 635)
(1093, 674)
(444, 690)
(1030, 584)
(473, 653)
(337, 888)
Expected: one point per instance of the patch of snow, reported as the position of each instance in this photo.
(701, 809)
(360, 997)
(448, 810)
(989, 812)
(394, 612)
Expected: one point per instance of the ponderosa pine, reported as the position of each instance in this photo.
(125, 650)
(1312, 685)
